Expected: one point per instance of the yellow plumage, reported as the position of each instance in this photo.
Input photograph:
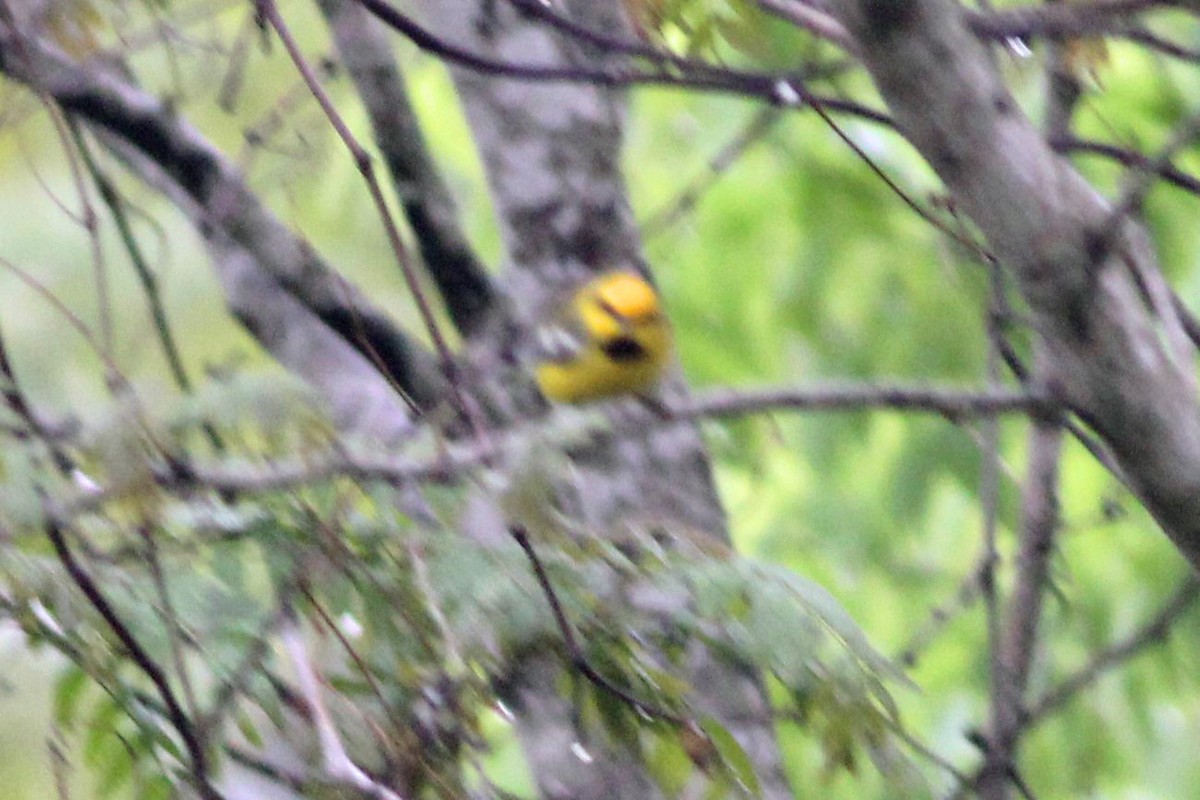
(608, 338)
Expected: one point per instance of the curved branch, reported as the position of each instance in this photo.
(1128, 158)
(1060, 19)
(227, 207)
(774, 88)
(428, 204)
(1045, 222)
(179, 720)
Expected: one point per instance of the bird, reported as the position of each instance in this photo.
(606, 338)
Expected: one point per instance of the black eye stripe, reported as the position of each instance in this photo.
(623, 348)
(609, 309)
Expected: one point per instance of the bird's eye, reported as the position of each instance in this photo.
(623, 348)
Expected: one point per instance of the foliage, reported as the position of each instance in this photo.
(416, 625)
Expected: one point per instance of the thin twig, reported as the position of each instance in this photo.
(170, 618)
(14, 397)
(814, 20)
(942, 614)
(90, 222)
(989, 486)
(926, 752)
(175, 713)
(1140, 35)
(772, 87)
(453, 464)
(1134, 187)
(1153, 631)
(578, 658)
(147, 278)
(1141, 177)
(365, 165)
(335, 629)
(70, 316)
(251, 663)
(784, 90)
(336, 761)
(1068, 143)
(60, 764)
(953, 404)
(1016, 649)
(365, 47)
(754, 131)
(1058, 20)
(277, 774)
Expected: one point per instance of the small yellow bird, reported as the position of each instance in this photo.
(609, 337)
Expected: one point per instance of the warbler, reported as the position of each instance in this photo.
(608, 337)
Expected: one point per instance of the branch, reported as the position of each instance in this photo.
(954, 404)
(1039, 512)
(34, 425)
(775, 88)
(578, 658)
(224, 205)
(179, 720)
(1129, 158)
(452, 462)
(336, 761)
(1153, 631)
(362, 160)
(812, 19)
(1060, 20)
(428, 204)
(943, 613)
(1140, 35)
(685, 201)
(1042, 219)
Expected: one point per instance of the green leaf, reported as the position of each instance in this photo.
(668, 761)
(734, 760)
(156, 787)
(68, 694)
(247, 727)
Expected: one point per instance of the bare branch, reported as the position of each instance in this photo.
(224, 205)
(1060, 19)
(198, 758)
(336, 761)
(1042, 219)
(578, 658)
(951, 403)
(1152, 632)
(451, 463)
(363, 161)
(1023, 613)
(812, 19)
(942, 614)
(428, 205)
(771, 87)
(685, 202)
(1070, 144)
(149, 281)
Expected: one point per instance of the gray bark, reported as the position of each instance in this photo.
(551, 152)
(1090, 277)
(172, 155)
